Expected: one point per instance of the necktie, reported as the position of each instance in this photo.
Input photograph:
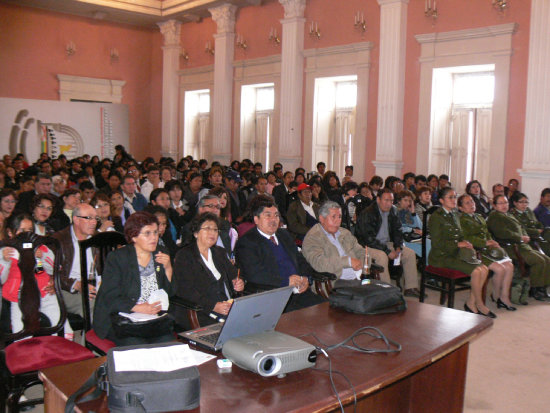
(273, 240)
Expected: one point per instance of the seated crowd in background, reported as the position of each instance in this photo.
(212, 219)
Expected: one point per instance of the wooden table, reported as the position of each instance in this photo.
(428, 375)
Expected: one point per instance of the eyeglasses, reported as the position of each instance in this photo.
(212, 206)
(451, 197)
(9, 201)
(88, 218)
(209, 229)
(147, 234)
(47, 208)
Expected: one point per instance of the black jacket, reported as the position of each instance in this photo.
(121, 287)
(369, 222)
(193, 280)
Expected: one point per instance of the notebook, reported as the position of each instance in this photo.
(250, 314)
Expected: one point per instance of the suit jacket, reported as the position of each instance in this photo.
(324, 256)
(257, 261)
(369, 222)
(193, 280)
(296, 218)
(121, 287)
(281, 199)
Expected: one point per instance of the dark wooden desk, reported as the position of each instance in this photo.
(427, 376)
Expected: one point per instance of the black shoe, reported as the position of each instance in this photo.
(537, 294)
(413, 292)
(490, 314)
(468, 309)
(500, 304)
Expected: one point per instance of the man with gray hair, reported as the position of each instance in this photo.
(330, 248)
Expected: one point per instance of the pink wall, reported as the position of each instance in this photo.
(32, 53)
(466, 14)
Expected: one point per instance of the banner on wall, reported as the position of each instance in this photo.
(34, 126)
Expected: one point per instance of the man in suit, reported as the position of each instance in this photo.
(83, 227)
(542, 211)
(379, 228)
(133, 200)
(268, 257)
(42, 185)
(303, 213)
(282, 192)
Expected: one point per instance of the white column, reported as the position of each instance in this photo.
(224, 16)
(171, 30)
(391, 87)
(536, 148)
(292, 77)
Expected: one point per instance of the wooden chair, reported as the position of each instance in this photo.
(101, 244)
(35, 347)
(447, 281)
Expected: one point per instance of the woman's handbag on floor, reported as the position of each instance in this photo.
(140, 391)
(367, 297)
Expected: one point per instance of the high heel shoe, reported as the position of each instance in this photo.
(490, 314)
(500, 304)
(468, 309)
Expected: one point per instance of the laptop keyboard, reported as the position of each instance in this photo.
(211, 338)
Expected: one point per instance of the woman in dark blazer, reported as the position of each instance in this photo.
(203, 274)
(131, 274)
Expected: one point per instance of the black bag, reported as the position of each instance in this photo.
(411, 236)
(371, 297)
(160, 326)
(141, 391)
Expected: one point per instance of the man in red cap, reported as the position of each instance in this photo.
(302, 213)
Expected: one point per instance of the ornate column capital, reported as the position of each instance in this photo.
(171, 31)
(293, 8)
(224, 16)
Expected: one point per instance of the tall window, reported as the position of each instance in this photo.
(257, 104)
(462, 108)
(196, 134)
(334, 120)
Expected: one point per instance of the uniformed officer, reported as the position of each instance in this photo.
(450, 250)
(505, 226)
(529, 221)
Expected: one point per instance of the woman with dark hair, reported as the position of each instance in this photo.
(433, 183)
(423, 201)
(117, 206)
(161, 197)
(511, 188)
(42, 206)
(203, 274)
(10, 274)
(8, 199)
(106, 222)
(451, 250)
(529, 221)
(474, 189)
(225, 205)
(493, 256)
(132, 275)
(177, 203)
(504, 226)
(271, 182)
(331, 185)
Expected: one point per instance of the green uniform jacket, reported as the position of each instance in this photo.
(474, 229)
(505, 226)
(445, 232)
(529, 222)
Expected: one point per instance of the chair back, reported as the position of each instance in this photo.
(26, 244)
(101, 244)
(425, 218)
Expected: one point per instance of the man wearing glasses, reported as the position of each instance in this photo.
(83, 227)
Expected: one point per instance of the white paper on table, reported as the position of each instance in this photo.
(158, 359)
(159, 295)
(137, 317)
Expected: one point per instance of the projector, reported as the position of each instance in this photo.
(270, 353)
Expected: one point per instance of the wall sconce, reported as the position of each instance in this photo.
(241, 42)
(359, 22)
(208, 48)
(314, 30)
(430, 10)
(500, 5)
(114, 54)
(70, 48)
(273, 36)
(184, 55)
